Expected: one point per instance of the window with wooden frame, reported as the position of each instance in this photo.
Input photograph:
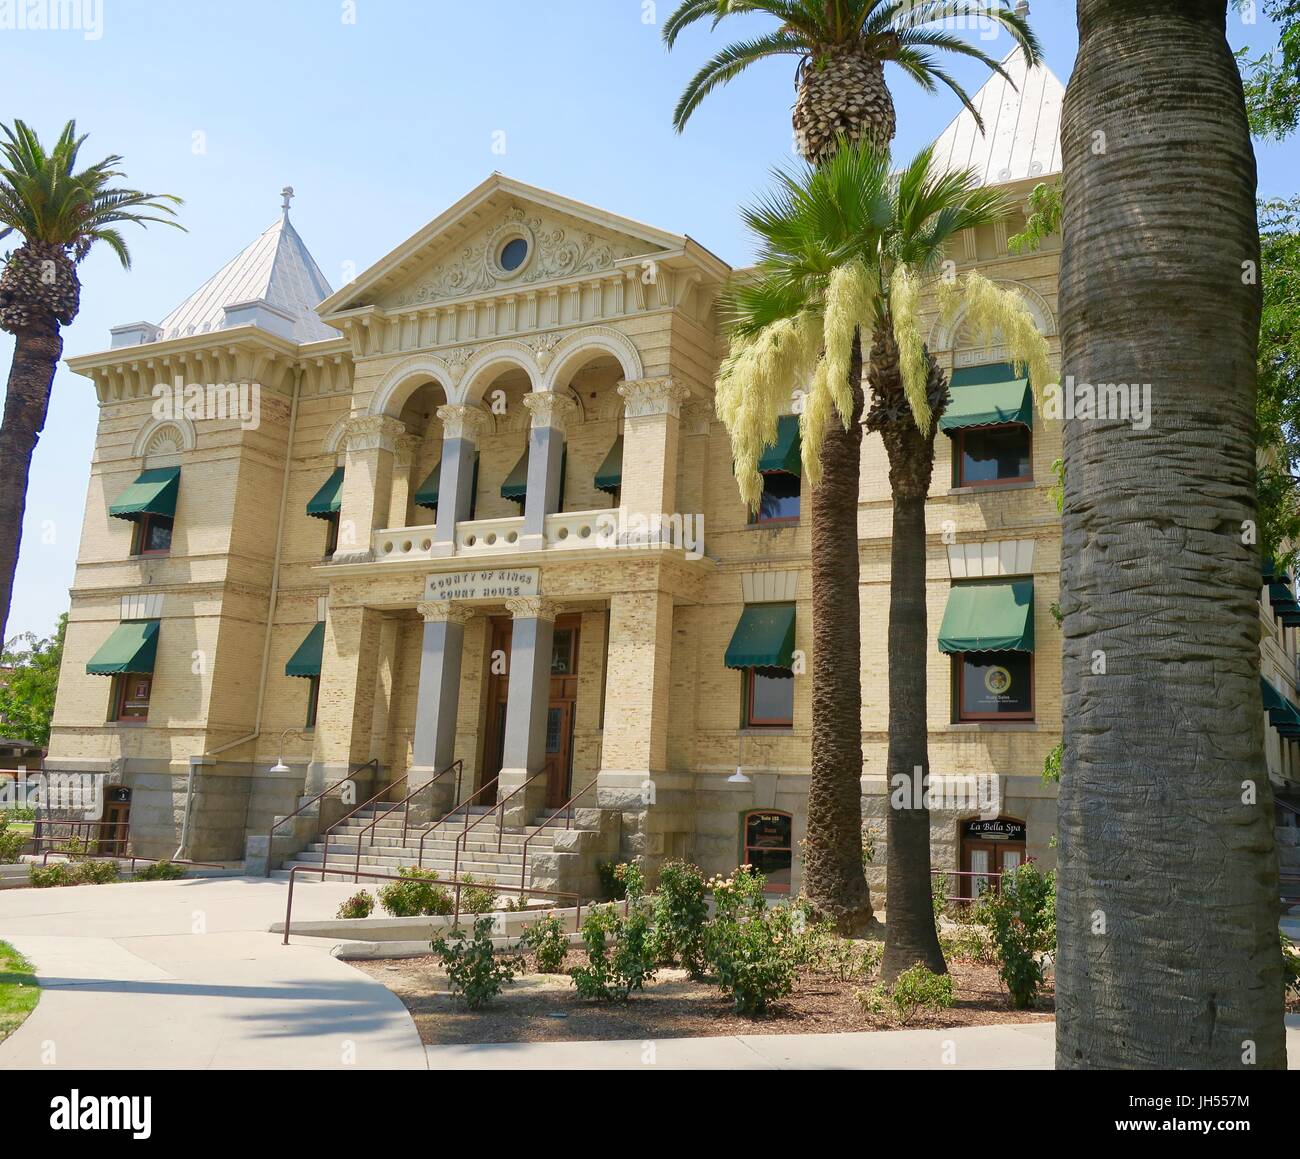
(131, 692)
(780, 502)
(769, 698)
(313, 697)
(993, 456)
(331, 534)
(993, 685)
(153, 535)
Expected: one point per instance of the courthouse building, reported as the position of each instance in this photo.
(483, 528)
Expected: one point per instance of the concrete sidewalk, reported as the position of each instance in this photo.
(183, 975)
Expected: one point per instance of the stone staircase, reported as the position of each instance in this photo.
(383, 849)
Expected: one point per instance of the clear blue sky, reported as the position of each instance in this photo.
(381, 124)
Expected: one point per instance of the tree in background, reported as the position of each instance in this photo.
(29, 678)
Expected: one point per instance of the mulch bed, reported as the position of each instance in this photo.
(546, 1007)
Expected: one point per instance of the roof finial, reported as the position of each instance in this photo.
(287, 194)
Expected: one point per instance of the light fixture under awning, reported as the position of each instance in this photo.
(328, 501)
(764, 638)
(989, 617)
(306, 660)
(985, 396)
(153, 493)
(132, 647)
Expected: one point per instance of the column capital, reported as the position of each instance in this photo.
(550, 409)
(405, 447)
(463, 422)
(652, 396)
(372, 433)
(533, 608)
(445, 612)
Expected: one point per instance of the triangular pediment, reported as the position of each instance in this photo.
(459, 254)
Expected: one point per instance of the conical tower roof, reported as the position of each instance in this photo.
(277, 269)
(1022, 127)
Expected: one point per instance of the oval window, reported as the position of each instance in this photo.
(513, 254)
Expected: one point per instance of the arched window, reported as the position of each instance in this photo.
(769, 846)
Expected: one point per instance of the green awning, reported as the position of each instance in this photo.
(153, 493)
(516, 484)
(985, 396)
(1282, 597)
(306, 661)
(783, 455)
(427, 495)
(131, 648)
(609, 476)
(1282, 714)
(989, 617)
(328, 501)
(764, 638)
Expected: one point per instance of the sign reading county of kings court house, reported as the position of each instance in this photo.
(497, 583)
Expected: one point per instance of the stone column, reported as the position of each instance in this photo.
(652, 414)
(551, 412)
(462, 427)
(528, 695)
(634, 753)
(405, 450)
(367, 484)
(438, 701)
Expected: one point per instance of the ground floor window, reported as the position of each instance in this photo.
(131, 697)
(989, 848)
(994, 685)
(769, 847)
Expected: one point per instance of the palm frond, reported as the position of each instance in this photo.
(727, 65)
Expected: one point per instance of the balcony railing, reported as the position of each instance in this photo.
(565, 531)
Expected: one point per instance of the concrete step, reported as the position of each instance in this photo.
(443, 865)
(374, 884)
(509, 843)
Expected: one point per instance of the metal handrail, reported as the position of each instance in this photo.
(405, 805)
(123, 842)
(323, 793)
(995, 880)
(568, 824)
(500, 810)
(349, 815)
(324, 869)
(133, 858)
(465, 804)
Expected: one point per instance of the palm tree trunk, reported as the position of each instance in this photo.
(834, 880)
(910, 933)
(1167, 889)
(31, 374)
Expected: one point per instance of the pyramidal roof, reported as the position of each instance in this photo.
(276, 271)
(1022, 126)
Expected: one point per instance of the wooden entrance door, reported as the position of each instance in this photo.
(561, 706)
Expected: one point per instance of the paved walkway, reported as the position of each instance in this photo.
(183, 975)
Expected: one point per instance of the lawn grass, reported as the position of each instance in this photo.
(18, 990)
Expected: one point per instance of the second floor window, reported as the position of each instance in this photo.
(153, 535)
(131, 698)
(990, 456)
(780, 467)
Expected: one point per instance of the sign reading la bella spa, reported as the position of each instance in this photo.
(496, 583)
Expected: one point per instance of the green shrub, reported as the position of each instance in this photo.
(45, 876)
(19, 813)
(474, 969)
(163, 870)
(680, 912)
(482, 899)
(548, 942)
(94, 872)
(611, 885)
(739, 895)
(916, 989)
(968, 944)
(359, 905)
(840, 957)
(11, 843)
(754, 957)
(1021, 919)
(416, 894)
(620, 953)
(73, 847)
(1290, 967)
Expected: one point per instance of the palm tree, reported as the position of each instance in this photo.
(60, 213)
(846, 250)
(843, 46)
(1167, 887)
